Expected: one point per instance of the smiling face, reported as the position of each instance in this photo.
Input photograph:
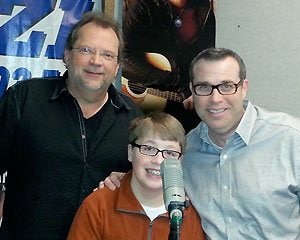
(146, 169)
(221, 113)
(92, 72)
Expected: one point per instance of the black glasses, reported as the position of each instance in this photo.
(227, 88)
(153, 151)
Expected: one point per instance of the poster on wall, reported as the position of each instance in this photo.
(161, 39)
(33, 35)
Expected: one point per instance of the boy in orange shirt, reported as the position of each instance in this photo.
(136, 209)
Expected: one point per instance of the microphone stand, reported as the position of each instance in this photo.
(175, 210)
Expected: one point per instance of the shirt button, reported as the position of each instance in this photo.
(229, 219)
(225, 187)
(225, 156)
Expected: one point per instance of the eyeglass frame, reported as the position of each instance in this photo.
(102, 53)
(139, 146)
(236, 85)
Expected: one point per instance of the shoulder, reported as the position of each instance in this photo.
(103, 198)
(258, 120)
(120, 100)
(196, 133)
(36, 82)
(35, 85)
(278, 120)
(32, 91)
(126, 98)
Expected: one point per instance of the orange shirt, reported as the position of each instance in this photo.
(117, 214)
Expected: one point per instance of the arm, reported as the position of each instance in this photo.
(9, 115)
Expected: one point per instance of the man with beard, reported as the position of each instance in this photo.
(59, 137)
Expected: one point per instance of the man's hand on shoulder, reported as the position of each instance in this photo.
(112, 181)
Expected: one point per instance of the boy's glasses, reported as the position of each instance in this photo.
(153, 151)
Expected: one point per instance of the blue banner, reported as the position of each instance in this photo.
(33, 35)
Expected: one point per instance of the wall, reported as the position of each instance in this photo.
(267, 36)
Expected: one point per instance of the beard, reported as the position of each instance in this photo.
(89, 80)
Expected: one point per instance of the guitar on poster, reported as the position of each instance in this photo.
(150, 99)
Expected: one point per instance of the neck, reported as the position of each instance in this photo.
(178, 3)
(147, 197)
(90, 110)
(219, 140)
(90, 102)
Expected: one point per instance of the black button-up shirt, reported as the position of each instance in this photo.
(50, 166)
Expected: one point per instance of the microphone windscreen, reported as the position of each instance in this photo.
(172, 179)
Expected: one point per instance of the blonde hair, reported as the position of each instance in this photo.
(160, 124)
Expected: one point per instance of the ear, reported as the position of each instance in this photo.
(245, 88)
(66, 56)
(129, 152)
(117, 69)
(191, 86)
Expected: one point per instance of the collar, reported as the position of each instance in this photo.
(246, 125)
(126, 199)
(127, 202)
(61, 87)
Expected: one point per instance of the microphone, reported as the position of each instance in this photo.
(173, 190)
